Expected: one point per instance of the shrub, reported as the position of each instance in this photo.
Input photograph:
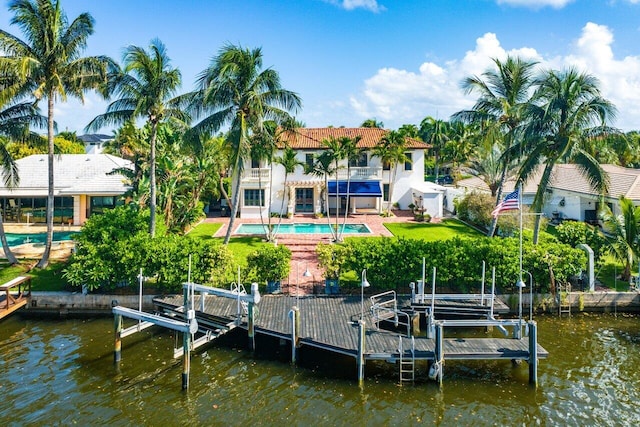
(573, 233)
(113, 247)
(475, 208)
(269, 263)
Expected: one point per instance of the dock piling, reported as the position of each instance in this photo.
(361, 337)
(533, 353)
(439, 353)
(186, 359)
(117, 354)
(294, 315)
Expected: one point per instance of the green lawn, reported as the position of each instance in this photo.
(204, 230)
(446, 229)
(49, 279)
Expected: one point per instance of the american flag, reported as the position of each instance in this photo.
(511, 201)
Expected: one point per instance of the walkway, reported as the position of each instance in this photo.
(302, 246)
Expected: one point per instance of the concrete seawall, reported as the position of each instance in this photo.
(75, 303)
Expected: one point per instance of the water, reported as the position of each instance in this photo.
(15, 239)
(303, 228)
(62, 372)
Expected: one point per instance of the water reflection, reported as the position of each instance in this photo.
(62, 372)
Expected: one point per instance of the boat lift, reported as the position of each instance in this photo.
(184, 320)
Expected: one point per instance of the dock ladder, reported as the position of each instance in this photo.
(564, 300)
(407, 364)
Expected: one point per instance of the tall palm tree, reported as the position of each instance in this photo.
(323, 167)
(289, 162)
(566, 111)
(335, 152)
(236, 91)
(503, 94)
(145, 88)
(436, 133)
(50, 65)
(372, 123)
(352, 154)
(391, 150)
(625, 232)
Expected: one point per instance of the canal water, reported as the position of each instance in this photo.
(61, 372)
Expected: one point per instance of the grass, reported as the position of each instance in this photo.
(204, 230)
(447, 229)
(48, 279)
(609, 272)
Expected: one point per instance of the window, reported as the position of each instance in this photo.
(408, 164)
(385, 192)
(360, 162)
(99, 204)
(253, 197)
(308, 160)
(255, 163)
(386, 166)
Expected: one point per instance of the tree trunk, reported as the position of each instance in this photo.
(152, 180)
(236, 200)
(11, 258)
(44, 261)
(494, 221)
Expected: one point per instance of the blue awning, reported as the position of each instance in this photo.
(356, 188)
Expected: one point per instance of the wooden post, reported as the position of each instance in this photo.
(186, 359)
(117, 322)
(439, 352)
(415, 322)
(360, 361)
(251, 326)
(294, 315)
(430, 325)
(533, 353)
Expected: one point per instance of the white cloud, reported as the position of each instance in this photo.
(371, 5)
(537, 4)
(399, 96)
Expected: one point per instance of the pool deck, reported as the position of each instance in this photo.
(303, 254)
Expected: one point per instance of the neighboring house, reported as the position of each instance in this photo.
(569, 194)
(94, 142)
(368, 184)
(83, 185)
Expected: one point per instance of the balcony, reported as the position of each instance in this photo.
(360, 173)
(256, 175)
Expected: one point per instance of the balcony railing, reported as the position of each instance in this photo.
(256, 174)
(360, 173)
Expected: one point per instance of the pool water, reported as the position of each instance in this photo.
(15, 239)
(303, 228)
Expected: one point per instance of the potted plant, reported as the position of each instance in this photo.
(331, 258)
(270, 264)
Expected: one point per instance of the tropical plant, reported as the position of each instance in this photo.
(567, 109)
(323, 167)
(391, 151)
(49, 65)
(500, 108)
(235, 90)
(269, 263)
(289, 162)
(145, 88)
(372, 123)
(625, 232)
(435, 132)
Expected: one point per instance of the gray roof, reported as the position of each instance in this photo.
(95, 137)
(567, 177)
(74, 174)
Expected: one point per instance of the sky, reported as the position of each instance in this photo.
(397, 61)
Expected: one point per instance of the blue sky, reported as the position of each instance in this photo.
(394, 60)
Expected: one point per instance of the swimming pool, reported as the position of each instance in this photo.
(15, 239)
(303, 228)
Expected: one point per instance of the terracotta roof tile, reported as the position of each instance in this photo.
(311, 138)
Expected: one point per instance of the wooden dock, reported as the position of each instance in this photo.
(14, 295)
(331, 323)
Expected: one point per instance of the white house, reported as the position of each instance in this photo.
(94, 142)
(367, 186)
(83, 184)
(569, 193)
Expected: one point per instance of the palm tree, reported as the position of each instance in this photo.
(435, 132)
(289, 162)
(372, 123)
(235, 90)
(50, 65)
(323, 167)
(14, 123)
(145, 88)
(335, 152)
(352, 154)
(500, 108)
(625, 230)
(391, 152)
(566, 111)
